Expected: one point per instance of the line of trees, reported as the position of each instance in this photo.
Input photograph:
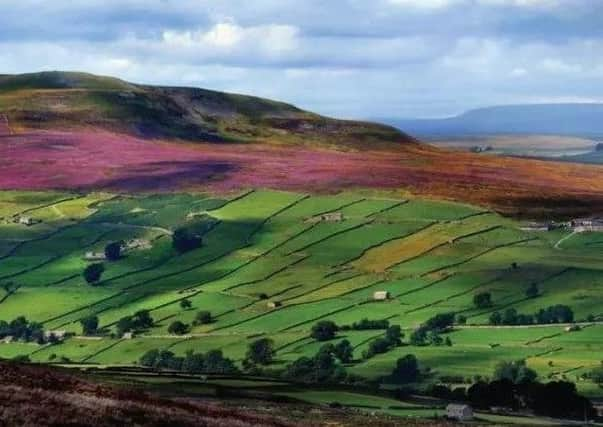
(212, 362)
(22, 329)
(140, 321)
(429, 332)
(554, 314)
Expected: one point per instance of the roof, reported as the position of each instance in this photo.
(457, 407)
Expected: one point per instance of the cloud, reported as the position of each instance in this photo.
(351, 58)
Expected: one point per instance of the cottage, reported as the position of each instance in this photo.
(95, 256)
(60, 335)
(459, 412)
(332, 217)
(381, 295)
(274, 304)
(26, 220)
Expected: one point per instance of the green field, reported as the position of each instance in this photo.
(267, 246)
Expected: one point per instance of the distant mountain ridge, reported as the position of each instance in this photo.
(64, 100)
(585, 120)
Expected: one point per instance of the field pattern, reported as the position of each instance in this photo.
(273, 263)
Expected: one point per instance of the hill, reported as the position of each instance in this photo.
(583, 120)
(67, 100)
(78, 131)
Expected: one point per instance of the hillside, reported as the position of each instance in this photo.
(79, 131)
(582, 120)
(271, 266)
(65, 100)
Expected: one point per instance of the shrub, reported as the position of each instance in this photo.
(185, 304)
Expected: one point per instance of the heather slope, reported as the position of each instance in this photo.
(64, 100)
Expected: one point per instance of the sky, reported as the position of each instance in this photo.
(345, 58)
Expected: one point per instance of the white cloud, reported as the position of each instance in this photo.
(425, 4)
(270, 39)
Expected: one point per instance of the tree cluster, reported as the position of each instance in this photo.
(429, 332)
(324, 330)
(141, 320)
(366, 324)
(212, 362)
(322, 368)
(185, 240)
(554, 314)
(392, 338)
(22, 329)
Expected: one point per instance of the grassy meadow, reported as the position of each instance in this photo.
(262, 247)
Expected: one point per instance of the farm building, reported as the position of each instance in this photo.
(26, 220)
(459, 412)
(8, 339)
(587, 224)
(57, 334)
(136, 244)
(128, 335)
(572, 328)
(327, 217)
(274, 304)
(95, 256)
(381, 295)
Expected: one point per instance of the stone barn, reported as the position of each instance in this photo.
(459, 412)
(381, 295)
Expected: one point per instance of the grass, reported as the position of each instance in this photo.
(261, 247)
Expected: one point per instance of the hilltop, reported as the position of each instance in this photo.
(68, 100)
(583, 120)
(79, 131)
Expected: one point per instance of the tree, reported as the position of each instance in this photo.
(496, 318)
(344, 351)
(406, 370)
(418, 336)
(113, 251)
(185, 240)
(532, 291)
(142, 319)
(516, 372)
(377, 346)
(89, 325)
(125, 324)
(149, 359)
(597, 375)
(482, 300)
(394, 335)
(177, 328)
(261, 351)
(324, 330)
(185, 304)
(461, 319)
(93, 272)
(202, 317)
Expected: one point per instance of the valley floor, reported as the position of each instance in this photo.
(272, 265)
